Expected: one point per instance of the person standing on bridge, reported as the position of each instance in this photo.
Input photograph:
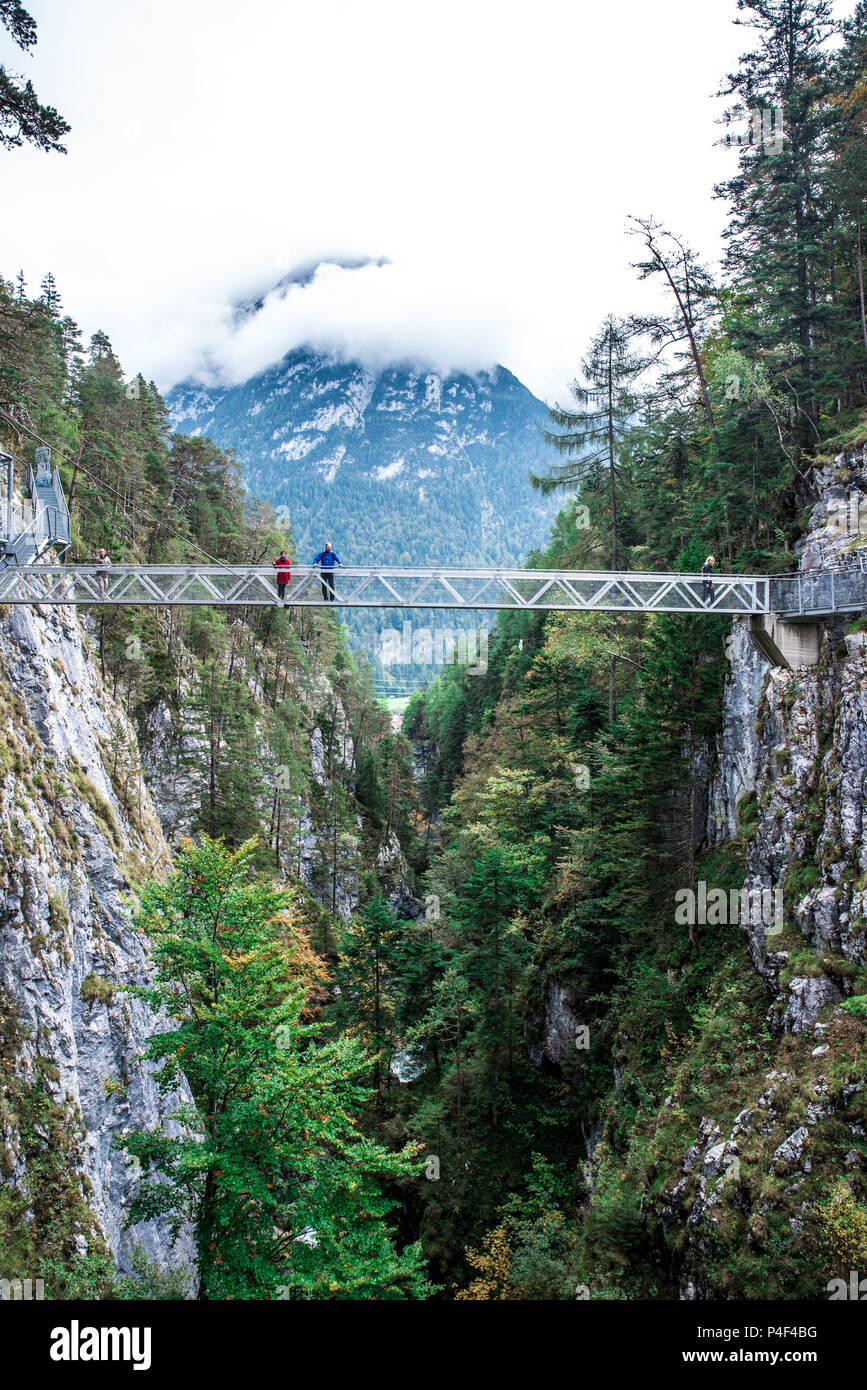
(326, 560)
(707, 577)
(284, 574)
(103, 565)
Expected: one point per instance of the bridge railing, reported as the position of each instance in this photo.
(820, 591)
(59, 512)
(379, 586)
(16, 519)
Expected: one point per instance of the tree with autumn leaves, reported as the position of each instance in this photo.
(267, 1163)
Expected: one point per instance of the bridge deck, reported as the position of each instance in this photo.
(806, 596)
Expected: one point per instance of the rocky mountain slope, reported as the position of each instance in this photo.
(399, 466)
(396, 466)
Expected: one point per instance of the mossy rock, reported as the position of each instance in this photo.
(95, 989)
(39, 1232)
(102, 811)
(799, 879)
(748, 811)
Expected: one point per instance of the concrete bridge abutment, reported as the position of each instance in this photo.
(784, 643)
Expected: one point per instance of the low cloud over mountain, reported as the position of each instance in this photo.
(368, 311)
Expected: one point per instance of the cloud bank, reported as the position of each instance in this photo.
(374, 312)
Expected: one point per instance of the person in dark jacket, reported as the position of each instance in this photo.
(707, 577)
(326, 560)
(284, 574)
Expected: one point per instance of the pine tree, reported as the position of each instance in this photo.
(22, 117)
(369, 954)
(778, 231)
(680, 332)
(848, 172)
(592, 437)
(50, 296)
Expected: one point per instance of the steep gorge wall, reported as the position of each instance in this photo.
(789, 777)
(79, 833)
(792, 758)
(87, 814)
(760, 1116)
(174, 757)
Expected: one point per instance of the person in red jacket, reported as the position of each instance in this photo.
(284, 574)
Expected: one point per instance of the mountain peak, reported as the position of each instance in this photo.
(366, 450)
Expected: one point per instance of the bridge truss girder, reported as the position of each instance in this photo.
(385, 587)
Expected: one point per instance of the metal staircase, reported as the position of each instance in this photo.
(30, 528)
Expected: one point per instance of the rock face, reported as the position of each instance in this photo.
(556, 1029)
(789, 777)
(791, 765)
(839, 516)
(711, 1175)
(176, 777)
(87, 814)
(173, 753)
(79, 833)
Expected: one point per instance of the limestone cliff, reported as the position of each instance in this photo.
(790, 778)
(79, 834)
(763, 1115)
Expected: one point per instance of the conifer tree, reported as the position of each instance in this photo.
(592, 437)
(22, 116)
(778, 229)
(283, 1189)
(50, 296)
(370, 961)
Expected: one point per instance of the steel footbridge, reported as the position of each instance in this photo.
(807, 596)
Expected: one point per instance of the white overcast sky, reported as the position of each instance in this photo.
(491, 150)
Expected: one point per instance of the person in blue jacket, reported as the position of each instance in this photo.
(326, 560)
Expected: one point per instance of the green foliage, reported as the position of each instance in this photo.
(559, 807)
(149, 1281)
(23, 118)
(706, 462)
(591, 439)
(283, 1189)
(841, 1222)
(244, 689)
